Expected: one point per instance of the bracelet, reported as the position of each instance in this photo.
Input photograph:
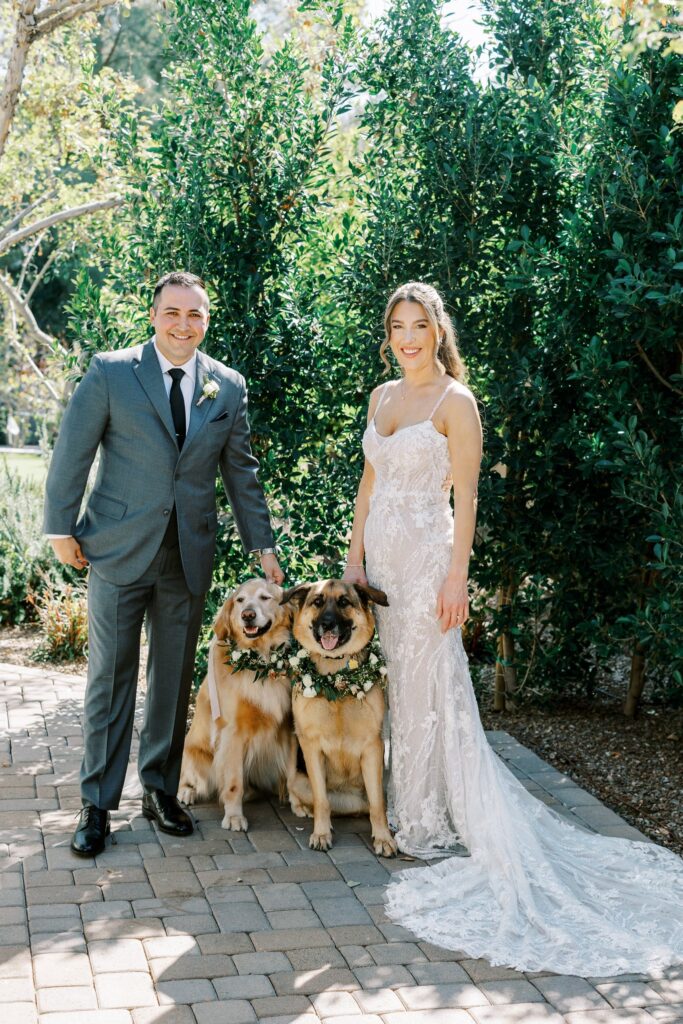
(354, 565)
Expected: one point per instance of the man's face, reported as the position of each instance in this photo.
(180, 321)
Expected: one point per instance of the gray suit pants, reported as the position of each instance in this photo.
(115, 617)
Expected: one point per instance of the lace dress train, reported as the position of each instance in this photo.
(534, 892)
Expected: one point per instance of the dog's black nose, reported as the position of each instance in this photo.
(248, 615)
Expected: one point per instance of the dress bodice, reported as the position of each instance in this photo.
(412, 462)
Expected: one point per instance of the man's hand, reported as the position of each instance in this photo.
(68, 551)
(355, 574)
(271, 569)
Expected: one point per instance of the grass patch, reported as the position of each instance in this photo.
(28, 467)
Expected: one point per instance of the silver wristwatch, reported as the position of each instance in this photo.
(264, 551)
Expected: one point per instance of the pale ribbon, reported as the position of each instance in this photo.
(211, 679)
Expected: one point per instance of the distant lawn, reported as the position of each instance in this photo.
(30, 467)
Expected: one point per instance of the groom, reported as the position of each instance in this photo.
(164, 418)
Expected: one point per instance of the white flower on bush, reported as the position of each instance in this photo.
(383, 671)
(293, 661)
(236, 655)
(309, 691)
(360, 695)
(373, 659)
(301, 653)
(307, 681)
(368, 685)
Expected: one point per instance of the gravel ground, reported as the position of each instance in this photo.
(633, 766)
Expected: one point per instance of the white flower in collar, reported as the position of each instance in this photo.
(210, 389)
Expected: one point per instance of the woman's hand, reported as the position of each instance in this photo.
(453, 603)
(355, 574)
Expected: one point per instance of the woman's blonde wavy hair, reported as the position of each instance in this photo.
(447, 354)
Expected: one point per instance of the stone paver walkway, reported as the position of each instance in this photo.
(227, 928)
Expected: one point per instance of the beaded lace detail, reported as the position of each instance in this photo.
(533, 891)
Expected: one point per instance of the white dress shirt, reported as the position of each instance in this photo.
(187, 385)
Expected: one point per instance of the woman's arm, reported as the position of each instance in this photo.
(462, 427)
(354, 571)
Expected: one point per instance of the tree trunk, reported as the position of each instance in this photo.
(636, 681)
(23, 37)
(506, 674)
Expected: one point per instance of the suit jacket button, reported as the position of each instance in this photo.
(167, 511)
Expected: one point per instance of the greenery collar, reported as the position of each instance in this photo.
(355, 679)
(263, 666)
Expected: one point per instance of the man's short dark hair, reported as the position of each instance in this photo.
(182, 277)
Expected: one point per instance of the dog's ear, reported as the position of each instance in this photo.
(221, 626)
(368, 593)
(297, 594)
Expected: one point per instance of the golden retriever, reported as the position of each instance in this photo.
(340, 739)
(250, 745)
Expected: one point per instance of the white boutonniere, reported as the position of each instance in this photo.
(210, 389)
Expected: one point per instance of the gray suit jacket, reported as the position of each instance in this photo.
(121, 407)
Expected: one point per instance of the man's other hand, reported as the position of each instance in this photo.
(271, 569)
(68, 551)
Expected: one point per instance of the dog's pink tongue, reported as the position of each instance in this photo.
(329, 641)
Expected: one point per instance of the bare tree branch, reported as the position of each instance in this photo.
(23, 37)
(17, 219)
(64, 11)
(24, 311)
(41, 274)
(29, 27)
(57, 218)
(644, 356)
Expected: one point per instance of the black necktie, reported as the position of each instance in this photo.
(178, 406)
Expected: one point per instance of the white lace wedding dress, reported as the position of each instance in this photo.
(535, 893)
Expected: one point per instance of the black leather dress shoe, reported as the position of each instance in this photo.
(93, 829)
(167, 812)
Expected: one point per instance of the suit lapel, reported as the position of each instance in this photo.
(148, 372)
(199, 413)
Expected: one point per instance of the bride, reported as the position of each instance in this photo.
(533, 891)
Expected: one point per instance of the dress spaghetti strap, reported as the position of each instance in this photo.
(440, 399)
(382, 395)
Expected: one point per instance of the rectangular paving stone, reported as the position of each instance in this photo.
(15, 990)
(191, 924)
(482, 970)
(134, 988)
(315, 958)
(246, 986)
(355, 956)
(177, 883)
(384, 976)
(107, 956)
(354, 934)
(281, 896)
(322, 872)
(65, 998)
(54, 969)
(519, 1013)
(100, 1016)
(260, 963)
(327, 1004)
(568, 993)
(288, 983)
(20, 1013)
(171, 946)
(274, 1006)
(164, 1015)
(628, 994)
(225, 942)
(63, 894)
(671, 989)
(397, 953)
(236, 1011)
(280, 919)
(337, 912)
(240, 917)
(190, 967)
(437, 997)
(379, 1000)
(191, 991)
(610, 1016)
(438, 973)
(124, 928)
(449, 1016)
(15, 962)
(290, 939)
(58, 942)
(503, 992)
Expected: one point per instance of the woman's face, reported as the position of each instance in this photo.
(412, 336)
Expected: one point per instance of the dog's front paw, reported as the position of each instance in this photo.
(320, 841)
(187, 794)
(299, 808)
(235, 823)
(384, 846)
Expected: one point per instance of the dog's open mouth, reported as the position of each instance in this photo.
(252, 631)
(331, 639)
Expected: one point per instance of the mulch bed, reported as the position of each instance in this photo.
(635, 766)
